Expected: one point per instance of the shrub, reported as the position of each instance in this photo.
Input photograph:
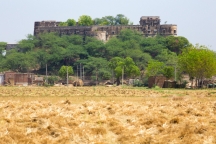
(52, 80)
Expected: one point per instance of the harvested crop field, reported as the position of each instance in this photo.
(106, 115)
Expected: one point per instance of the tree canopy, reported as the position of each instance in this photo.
(119, 19)
(124, 66)
(129, 51)
(64, 70)
(154, 68)
(85, 20)
(198, 61)
(71, 22)
(176, 44)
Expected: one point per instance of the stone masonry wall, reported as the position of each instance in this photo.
(149, 26)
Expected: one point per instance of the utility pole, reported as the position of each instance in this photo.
(83, 74)
(113, 76)
(67, 75)
(46, 74)
(96, 76)
(80, 71)
(122, 74)
(175, 73)
(77, 75)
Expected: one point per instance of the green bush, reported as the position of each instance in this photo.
(52, 80)
(138, 83)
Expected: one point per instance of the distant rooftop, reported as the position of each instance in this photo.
(153, 17)
(48, 21)
(168, 24)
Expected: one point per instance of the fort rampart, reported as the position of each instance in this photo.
(149, 26)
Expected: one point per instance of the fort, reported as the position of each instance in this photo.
(149, 26)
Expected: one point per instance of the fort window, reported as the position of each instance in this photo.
(174, 31)
(164, 31)
(113, 32)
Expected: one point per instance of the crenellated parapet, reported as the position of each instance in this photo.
(149, 26)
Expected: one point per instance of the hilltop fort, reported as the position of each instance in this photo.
(149, 26)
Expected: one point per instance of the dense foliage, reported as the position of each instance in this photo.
(199, 62)
(65, 71)
(120, 19)
(100, 59)
(86, 20)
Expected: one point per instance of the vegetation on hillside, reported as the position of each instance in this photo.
(148, 55)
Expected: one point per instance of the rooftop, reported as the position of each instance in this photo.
(153, 17)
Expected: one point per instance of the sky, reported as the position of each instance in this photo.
(196, 19)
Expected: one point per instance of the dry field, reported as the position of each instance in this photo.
(106, 115)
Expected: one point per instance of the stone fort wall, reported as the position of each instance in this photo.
(149, 26)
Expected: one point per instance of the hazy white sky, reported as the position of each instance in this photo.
(196, 19)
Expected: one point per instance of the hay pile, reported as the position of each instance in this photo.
(172, 120)
(106, 115)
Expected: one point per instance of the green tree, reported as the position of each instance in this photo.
(20, 62)
(96, 66)
(63, 71)
(63, 24)
(107, 20)
(71, 22)
(154, 68)
(199, 62)
(85, 20)
(74, 39)
(52, 80)
(152, 45)
(128, 34)
(141, 59)
(168, 72)
(95, 48)
(73, 53)
(97, 21)
(176, 44)
(113, 48)
(42, 58)
(3, 45)
(120, 19)
(167, 57)
(2, 48)
(124, 66)
(26, 45)
(48, 40)
(2, 57)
